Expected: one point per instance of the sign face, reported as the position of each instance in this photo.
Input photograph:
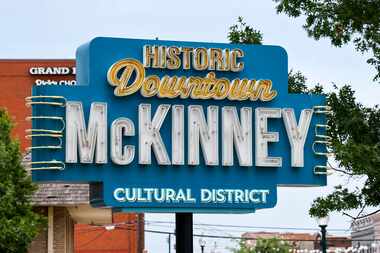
(170, 126)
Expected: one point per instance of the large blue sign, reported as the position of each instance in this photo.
(170, 126)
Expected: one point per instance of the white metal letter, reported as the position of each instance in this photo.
(297, 133)
(207, 134)
(178, 135)
(149, 134)
(96, 133)
(119, 155)
(263, 137)
(238, 135)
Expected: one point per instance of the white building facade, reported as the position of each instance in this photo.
(366, 232)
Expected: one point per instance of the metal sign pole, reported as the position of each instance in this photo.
(184, 232)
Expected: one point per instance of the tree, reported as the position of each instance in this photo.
(271, 245)
(342, 21)
(18, 223)
(355, 141)
(241, 33)
(297, 84)
(355, 133)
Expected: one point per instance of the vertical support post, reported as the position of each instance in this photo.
(323, 239)
(141, 232)
(50, 239)
(184, 232)
(170, 242)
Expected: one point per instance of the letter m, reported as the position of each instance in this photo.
(94, 136)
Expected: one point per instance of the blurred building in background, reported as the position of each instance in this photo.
(73, 224)
(366, 231)
(299, 241)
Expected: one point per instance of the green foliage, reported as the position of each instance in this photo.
(270, 245)
(355, 133)
(341, 21)
(18, 223)
(241, 33)
(297, 83)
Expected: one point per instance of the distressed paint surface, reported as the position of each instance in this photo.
(261, 62)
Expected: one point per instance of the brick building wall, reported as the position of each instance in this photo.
(16, 83)
(62, 232)
(70, 202)
(119, 239)
(39, 244)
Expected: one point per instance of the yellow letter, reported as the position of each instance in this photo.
(186, 51)
(127, 66)
(235, 66)
(150, 86)
(222, 88)
(151, 53)
(173, 60)
(200, 58)
(216, 59)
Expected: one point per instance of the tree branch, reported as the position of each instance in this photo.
(339, 170)
(360, 217)
(361, 211)
(352, 217)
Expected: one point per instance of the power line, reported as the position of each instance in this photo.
(250, 239)
(93, 239)
(205, 228)
(227, 237)
(248, 227)
(209, 226)
(152, 222)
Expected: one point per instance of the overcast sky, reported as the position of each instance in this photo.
(54, 29)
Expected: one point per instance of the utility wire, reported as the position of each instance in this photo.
(152, 222)
(214, 227)
(247, 227)
(247, 238)
(92, 240)
(212, 230)
(227, 237)
(206, 228)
